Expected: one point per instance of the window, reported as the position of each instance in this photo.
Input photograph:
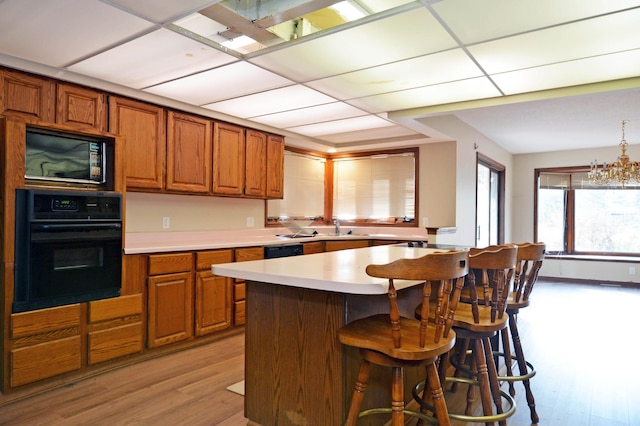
(489, 202)
(303, 189)
(575, 217)
(356, 188)
(375, 188)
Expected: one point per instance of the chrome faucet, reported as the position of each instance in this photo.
(337, 223)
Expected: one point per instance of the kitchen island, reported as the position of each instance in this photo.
(296, 370)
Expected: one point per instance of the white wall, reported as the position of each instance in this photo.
(469, 142)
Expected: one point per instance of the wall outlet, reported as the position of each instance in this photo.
(425, 221)
(165, 222)
(632, 270)
(250, 222)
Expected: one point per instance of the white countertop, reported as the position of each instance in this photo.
(340, 271)
(157, 242)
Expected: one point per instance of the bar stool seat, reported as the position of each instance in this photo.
(398, 342)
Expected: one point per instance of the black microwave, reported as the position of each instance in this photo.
(65, 157)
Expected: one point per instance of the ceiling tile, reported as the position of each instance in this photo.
(59, 32)
(474, 21)
(405, 35)
(457, 91)
(411, 73)
(611, 33)
(162, 10)
(342, 126)
(314, 114)
(600, 68)
(237, 79)
(270, 102)
(365, 137)
(156, 57)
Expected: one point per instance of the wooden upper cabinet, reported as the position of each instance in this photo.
(255, 164)
(228, 159)
(275, 166)
(81, 107)
(188, 153)
(27, 96)
(143, 126)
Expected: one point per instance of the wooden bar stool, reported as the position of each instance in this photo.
(530, 257)
(479, 317)
(394, 341)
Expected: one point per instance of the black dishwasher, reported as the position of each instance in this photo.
(283, 250)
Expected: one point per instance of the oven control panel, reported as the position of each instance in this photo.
(70, 205)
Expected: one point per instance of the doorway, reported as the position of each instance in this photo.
(489, 202)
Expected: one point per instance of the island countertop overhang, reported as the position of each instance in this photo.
(340, 271)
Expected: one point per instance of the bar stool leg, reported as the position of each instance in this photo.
(508, 358)
(358, 393)
(492, 372)
(522, 365)
(483, 378)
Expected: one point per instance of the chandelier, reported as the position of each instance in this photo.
(622, 171)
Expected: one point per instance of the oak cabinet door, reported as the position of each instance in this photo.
(143, 127)
(27, 96)
(80, 107)
(170, 308)
(213, 303)
(275, 167)
(228, 159)
(256, 164)
(188, 153)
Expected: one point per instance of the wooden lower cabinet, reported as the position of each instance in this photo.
(311, 248)
(44, 343)
(239, 303)
(213, 293)
(170, 305)
(115, 328)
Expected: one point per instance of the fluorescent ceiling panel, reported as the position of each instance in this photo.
(411, 73)
(457, 91)
(314, 114)
(270, 102)
(59, 32)
(600, 68)
(162, 10)
(406, 35)
(611, 33)
(342, 126)
(474, 21)
(233, 80)
(156, 57)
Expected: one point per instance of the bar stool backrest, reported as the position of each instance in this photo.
(495, 267)
(444, 271)
(530, 257)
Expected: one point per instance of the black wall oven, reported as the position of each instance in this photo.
(68, 247)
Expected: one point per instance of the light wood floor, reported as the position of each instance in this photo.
(579, 381)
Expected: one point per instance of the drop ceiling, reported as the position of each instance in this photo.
(531, 76)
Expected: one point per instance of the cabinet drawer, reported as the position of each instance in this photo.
(44, 360)
(168, 263)
(114, 342)
(249, 253)
(239, 312)
(310, 248)
(117, 307)
(44, 321)
(204, 259)
(239, 292)
(345, 245)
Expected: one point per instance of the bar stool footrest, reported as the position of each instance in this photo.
(385, 410)
(462, 417)
(517, 378)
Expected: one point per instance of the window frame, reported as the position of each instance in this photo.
(570, 208)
